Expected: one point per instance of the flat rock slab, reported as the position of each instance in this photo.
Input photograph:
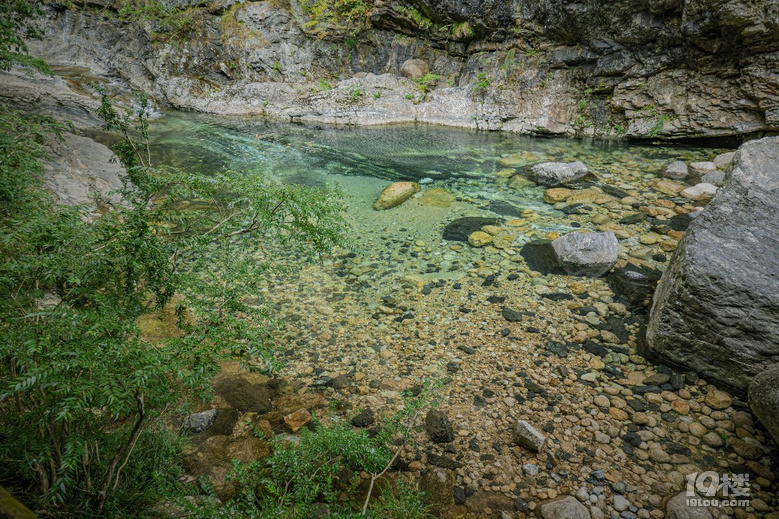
(554, 174)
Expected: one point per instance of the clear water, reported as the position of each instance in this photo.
(474, 166)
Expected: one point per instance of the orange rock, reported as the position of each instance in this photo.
(297, 419)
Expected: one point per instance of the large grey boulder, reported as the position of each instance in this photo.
(590, 254)
(764, 399)
(716, 309)
(553, 174)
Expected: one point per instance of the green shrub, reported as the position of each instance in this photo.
(79, 382)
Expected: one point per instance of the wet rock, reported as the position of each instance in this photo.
(479, 239)
(724, 160)
(414, 68)
(554, 174)
(395, 194)
(764, 399)
(634, 284)
(540, 257)
(716, 309)
(557, 194)
(504, 209)
(586, 254)
(565, 508)
(701, 168)
(438, 427)
(196, 423)
(677, 508)
(702, 191)
(298, 419)
(528, 437)
(676, 170)
(437, 197)
(462, 228)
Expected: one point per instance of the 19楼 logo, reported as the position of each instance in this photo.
(702, 489)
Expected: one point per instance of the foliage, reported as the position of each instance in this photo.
(324, 85)
(348, 16)
(168, 22)
(426, 82)
(659, 125)
(17, 23)
(483, 82)
(324, 467)
(583, 116)
(79, 382)
(357, 92)
(462, 31)
(419, 19)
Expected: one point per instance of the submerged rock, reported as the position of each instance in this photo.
(540, 257)
(553, 174)
(702, 191)
(395, 194)
(462, 228)
(764, 399)
(479, 238)
(716, 309)
(586, 254)
(676, 170)
(634, 284)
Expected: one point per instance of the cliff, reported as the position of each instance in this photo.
(643, 69)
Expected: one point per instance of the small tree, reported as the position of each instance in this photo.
(79, 383)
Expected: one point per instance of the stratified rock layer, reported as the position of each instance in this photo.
(716, 310)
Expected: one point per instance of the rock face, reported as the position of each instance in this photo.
(553, 174)
(716, 309)
(641, 64)
(764, 399)
(586, 254)
(395, 194)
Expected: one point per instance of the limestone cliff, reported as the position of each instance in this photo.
(646, 68)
